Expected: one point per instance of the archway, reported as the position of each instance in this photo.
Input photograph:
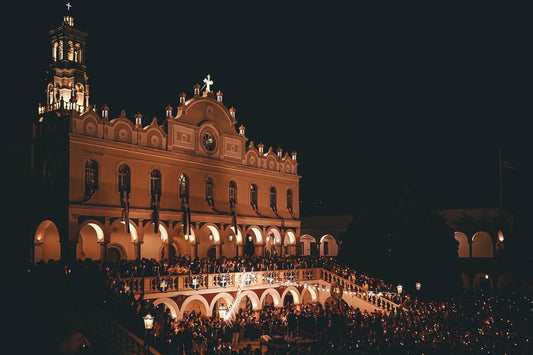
(309, 295)
(483, 282)
(308, 245)
(46, 242)
(482, 246)
(328, 246)
(120, 236)
(196, 304)
(173, 252)
(115, 253)
(463, 248)
(91, 234)
(220, 304)
(168, 304)
(207, 238)
(212, 252)
(152, 241)
(249, 248)
(273, 242)
(289, 243)
(292, 293)
(270, 297)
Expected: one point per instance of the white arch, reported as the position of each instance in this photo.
(174, 309)
(252, 296)
(463, 247)
(275, 296)
(276, 233)
(222, 295)
(307, 238)
(214, 231)
(257, 233)
(97, 228)
(312, 291)
(238, 238)
(294, 292)
(290, 238)
(327, 237)
(133, 231)
(195, 298)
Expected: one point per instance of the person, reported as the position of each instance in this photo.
(235, 333)
(187, 340)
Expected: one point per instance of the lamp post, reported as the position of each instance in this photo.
(148, 325)
(222, 311)
(399, 288)
(418, 286)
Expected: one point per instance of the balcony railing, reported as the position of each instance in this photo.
(220, 281)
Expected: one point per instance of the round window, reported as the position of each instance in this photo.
(209, 142)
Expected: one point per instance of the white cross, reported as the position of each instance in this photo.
(68, 6)
(208, 82)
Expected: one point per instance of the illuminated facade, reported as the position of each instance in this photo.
(194, 185)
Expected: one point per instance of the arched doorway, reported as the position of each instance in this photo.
(212, 252)
(249, 248)
(46, 242)
(172, 252)
(114, 254)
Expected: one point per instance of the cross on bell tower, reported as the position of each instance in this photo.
(67, 81)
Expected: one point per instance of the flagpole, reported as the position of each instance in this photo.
(500, 175)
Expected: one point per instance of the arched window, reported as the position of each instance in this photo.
(124, 178)
(184, 187)
(232, 192)
(91, 177)
(209, 191)
(60, 50)
(289, 200)
(155, 183)
(70, 53)
(273, 198)
(253, 196)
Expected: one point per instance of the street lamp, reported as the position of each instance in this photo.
(399, 288)
(148, 325)
(418, 286)
(222, 311)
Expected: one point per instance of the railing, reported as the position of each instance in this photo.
(221, 281)
(353, 289)
(218, 281)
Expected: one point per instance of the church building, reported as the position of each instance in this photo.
(112, 188)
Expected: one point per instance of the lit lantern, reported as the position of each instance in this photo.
(500, 236)
(399, 288)
(222, 310)
(148, 321)
(418, 286)
(211, 237)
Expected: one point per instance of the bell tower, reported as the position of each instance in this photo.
(67, 82)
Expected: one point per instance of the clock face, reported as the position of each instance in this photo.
(209, 142)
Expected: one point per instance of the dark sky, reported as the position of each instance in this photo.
(353, 87)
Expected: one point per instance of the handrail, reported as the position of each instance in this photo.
(221, 281)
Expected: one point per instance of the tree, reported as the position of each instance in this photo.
(396, 236)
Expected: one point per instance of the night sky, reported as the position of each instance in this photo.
(353, 87)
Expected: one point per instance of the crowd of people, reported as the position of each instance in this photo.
(478, 323)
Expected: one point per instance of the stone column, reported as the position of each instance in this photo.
(166, 246)
(194, 251)
(137, 250)
(103, 251)
(218, 248)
